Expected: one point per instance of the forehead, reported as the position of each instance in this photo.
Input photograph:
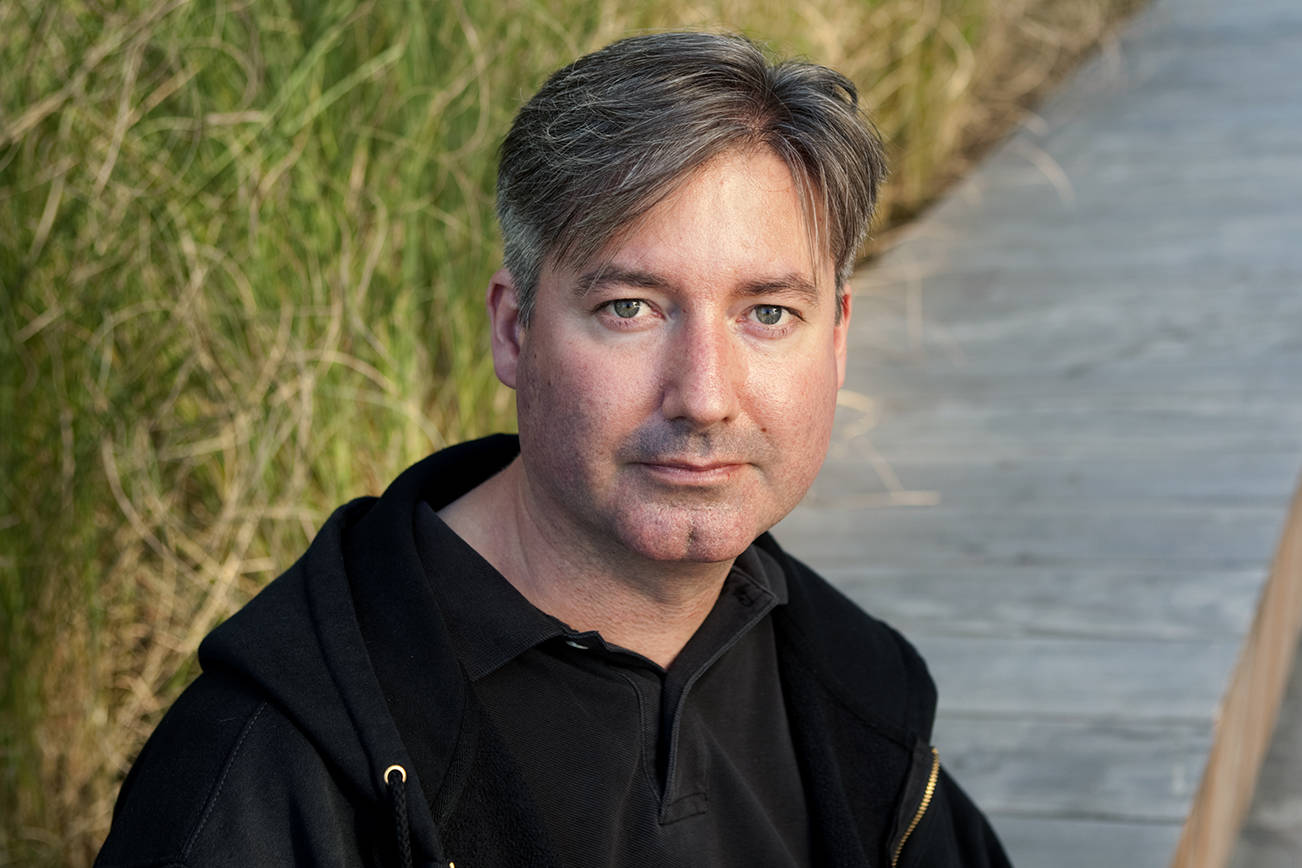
(741, 215)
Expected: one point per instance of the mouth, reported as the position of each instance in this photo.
(693, 472)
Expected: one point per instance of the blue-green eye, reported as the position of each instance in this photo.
(626, 308)
(769, 314)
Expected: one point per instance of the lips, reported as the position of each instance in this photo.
(693, 466)
(692, 471)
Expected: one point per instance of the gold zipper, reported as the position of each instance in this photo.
(922, 807)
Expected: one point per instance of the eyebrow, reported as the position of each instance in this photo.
(788, 284)
(793, 283)
(613, 275)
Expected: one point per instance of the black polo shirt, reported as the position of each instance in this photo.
(629, 763)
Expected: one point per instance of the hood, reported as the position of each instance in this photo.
(349, 644)
(850, 650)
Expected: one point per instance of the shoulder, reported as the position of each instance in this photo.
(864, 661)
(218, 783)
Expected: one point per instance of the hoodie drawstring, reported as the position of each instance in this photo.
(395, 778)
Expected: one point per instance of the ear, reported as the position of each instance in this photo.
(839, 335)
(504, 325)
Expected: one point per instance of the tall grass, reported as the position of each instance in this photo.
(242, 249)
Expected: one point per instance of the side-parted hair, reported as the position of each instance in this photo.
(616, 131)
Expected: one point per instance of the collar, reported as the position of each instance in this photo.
(492, 623)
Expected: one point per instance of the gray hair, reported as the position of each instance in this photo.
(616, 131)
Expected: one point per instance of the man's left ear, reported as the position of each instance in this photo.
(505, 327)
(839, 334)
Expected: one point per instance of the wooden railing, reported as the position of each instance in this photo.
(1248, 710)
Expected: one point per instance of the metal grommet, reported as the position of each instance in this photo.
(399, 769)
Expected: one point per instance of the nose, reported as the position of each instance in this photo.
(703, 375)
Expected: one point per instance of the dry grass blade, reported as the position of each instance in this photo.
(242, 248)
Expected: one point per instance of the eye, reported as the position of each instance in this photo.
(769, 314)
(626, 308)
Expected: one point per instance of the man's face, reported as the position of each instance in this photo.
(675, 398)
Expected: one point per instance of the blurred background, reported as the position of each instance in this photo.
(242, 255)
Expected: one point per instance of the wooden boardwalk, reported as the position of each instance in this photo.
(1073, 424)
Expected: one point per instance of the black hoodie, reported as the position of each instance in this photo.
(280, 753)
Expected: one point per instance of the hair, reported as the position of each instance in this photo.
(618, 130)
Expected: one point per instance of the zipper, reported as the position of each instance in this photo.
(922, 806)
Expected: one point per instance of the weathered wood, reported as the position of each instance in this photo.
(1272, 832)
(1081, 679)
(1159, 602)
(1246, 721)
(842, 534)
(1101, 770)
(1071, 428)
(1085, 843)
(1233, 479)
(1274, 373)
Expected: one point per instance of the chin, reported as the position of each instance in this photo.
(690, 536)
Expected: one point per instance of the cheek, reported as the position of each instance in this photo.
(799, 392)
(584, 396)
(795, 410)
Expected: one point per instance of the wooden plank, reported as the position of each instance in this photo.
(1271, 836)
(1001, 330)
(1079, 601)
(1126, 432)
(1089, 679)
(1166, 242)
(1246, 721)
(1236, 479)
(960, 291)
(1071, 769)
(950, 445)
(844, 533)
(994, 427)
(1037, 842)
(1011, 379)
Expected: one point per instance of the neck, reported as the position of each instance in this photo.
(651, 607)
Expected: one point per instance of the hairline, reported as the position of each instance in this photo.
(806, 114)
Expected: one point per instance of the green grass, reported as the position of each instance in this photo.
(242, 255)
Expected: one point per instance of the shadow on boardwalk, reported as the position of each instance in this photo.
(1072, 426)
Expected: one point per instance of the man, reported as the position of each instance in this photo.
(582, 647)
